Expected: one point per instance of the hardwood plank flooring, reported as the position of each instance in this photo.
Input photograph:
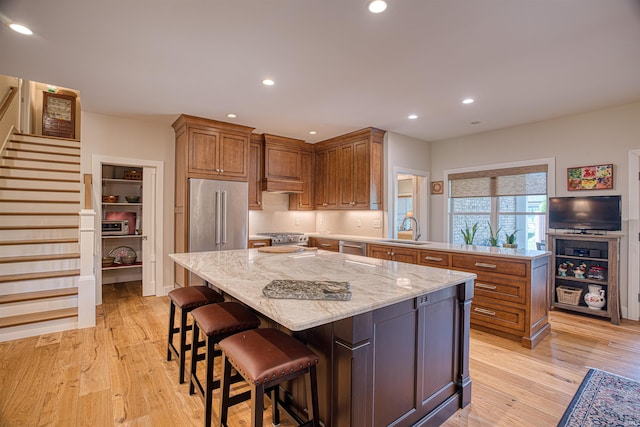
(116, 374)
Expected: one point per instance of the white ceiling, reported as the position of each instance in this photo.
(337, 67)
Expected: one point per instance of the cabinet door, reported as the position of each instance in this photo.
(232, 156)
(361, 173)
(202, 151)
(304, 200)
(393, 253)
(326, 188)
(347, 174)
(255, 175)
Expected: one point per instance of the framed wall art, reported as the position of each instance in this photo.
(598, 177)
(436, 187)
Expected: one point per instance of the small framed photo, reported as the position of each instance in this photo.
(597, 177)
(437, 187)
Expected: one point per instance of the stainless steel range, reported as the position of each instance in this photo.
(286, 238)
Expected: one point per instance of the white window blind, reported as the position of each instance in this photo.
(518, 181)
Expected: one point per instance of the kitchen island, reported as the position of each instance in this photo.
(396, 353)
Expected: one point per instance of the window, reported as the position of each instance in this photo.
(509, 199)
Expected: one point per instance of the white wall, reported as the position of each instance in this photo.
(402, 154)
(139, 139)
(275, 216)
(598, 137)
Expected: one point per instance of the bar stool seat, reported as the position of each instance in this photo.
(186, 299)
(216, 321)
(265, 358)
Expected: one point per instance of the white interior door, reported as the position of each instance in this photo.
(149, 239)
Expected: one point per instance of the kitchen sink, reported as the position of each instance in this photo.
(405, 242)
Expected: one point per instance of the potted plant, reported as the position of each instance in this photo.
(469, 233)
(510, 240)
(493, 237)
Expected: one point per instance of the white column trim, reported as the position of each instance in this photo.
(633, 253)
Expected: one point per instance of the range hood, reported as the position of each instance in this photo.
(282, 164)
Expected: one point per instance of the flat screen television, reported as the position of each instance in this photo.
(596, 213)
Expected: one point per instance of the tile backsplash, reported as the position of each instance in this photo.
(276, 216)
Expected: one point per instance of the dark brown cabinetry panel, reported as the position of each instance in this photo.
(282, 164)
(255, 172)
(304, 201)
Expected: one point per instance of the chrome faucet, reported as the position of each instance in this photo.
(415, 232)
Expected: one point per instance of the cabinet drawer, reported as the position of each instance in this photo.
(258, 243)
(434, 259)
(326, 244)
(496, 316)
(491, 265)
(503, 288)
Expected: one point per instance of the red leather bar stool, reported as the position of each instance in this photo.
(216, 321)
(265, 358)
(186, 299)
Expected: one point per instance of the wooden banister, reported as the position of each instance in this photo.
(7, 101)
(88, 180)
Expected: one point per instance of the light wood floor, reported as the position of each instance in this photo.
(117, 374)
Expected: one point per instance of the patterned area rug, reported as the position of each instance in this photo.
(604, 399)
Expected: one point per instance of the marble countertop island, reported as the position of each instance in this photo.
(374, 283)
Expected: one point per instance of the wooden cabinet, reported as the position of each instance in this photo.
(355, 168)
(326, 244)
(511, 297)
(255, 172)
(212, 149)
(393, 253)
(326, 178)
(599, 253)
(259, 243)
(282, 164)
(304, 201)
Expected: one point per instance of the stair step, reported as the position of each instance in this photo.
(36, 276)
(37, 242)
(34, 178)
(25, 319)
(38, 295)
(37, 169)
(30, 258)
(15, 151)
(33, 136)
(45, 144)
(62, 162)
(39, 189)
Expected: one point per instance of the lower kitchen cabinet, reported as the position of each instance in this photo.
(325, 244)
(393, 253)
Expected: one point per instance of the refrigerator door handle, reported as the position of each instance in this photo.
(218, 218)
(224, 217)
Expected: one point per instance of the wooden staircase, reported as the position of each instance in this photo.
(39, 231)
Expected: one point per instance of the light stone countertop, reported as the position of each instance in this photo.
(374, 283)
(440, 246)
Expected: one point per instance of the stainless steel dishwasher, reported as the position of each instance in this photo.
(353, 248)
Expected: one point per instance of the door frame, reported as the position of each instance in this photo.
(154, 285)
(633, 252)
(422, 200)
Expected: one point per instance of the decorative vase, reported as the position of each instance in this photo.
(595, 297)
(510, 245)
(562, 271)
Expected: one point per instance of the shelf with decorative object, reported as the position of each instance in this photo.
(585, 264)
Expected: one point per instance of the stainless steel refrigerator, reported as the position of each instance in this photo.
(218, 216)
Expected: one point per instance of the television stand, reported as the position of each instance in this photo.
(600, 254)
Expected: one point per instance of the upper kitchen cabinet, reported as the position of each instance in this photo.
(255, 172)
(282, 164)
(212, 149)
(304, 201)
(349, 171)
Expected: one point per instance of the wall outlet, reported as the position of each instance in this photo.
(358, 222)
(377, 223)
(297, 221)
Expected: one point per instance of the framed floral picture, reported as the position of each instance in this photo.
(437, 187)
(598, 177)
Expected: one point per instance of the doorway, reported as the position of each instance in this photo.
(149, 229)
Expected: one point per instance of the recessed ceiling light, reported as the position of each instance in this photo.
(412, 116)
(20, 29)
(468, 101)
(268, 82)
(231, 116)
(377, 6)
(313, 132)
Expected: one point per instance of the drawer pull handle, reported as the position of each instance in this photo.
(484, 311)
(485, 265)
(432, 258)
(485, 286)
(259, 244)
(325, 244)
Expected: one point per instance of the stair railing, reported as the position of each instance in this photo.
(11, 120)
